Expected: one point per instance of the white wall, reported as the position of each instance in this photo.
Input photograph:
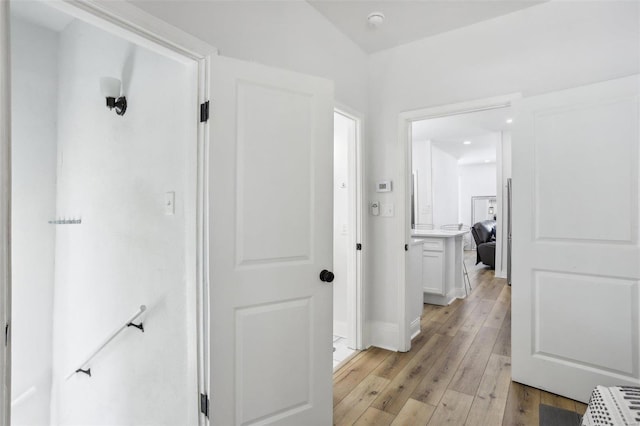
(344, 134)
(540, 49)
(113, 172)
(475, 180)
(34, 105)
(445, 187)
(421, 164)
(284, 34)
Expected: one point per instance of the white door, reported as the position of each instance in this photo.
(270, 236)
(576, 254)
(5, 215)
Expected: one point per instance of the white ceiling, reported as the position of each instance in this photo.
(410, 20)
(481, 128)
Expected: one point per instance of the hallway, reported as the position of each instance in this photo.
(457, 372)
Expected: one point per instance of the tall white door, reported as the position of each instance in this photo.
(576, 244)
(270, 236)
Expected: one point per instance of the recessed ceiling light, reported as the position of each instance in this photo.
(509, 120)
(375, 19)
(467, 142)
(487, 161)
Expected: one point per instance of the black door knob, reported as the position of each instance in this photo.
(326, 276)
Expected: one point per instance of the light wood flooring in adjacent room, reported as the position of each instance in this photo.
(458, 371)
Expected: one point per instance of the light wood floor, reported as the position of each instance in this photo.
(458, 371)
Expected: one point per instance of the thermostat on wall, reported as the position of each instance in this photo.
(383, 186)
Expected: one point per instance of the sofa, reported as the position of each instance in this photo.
(484, 234)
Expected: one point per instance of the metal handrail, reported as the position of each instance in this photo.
(112, 336)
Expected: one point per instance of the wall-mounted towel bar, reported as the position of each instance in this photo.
(112, 336)
(65, 222)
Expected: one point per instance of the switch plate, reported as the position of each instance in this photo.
(170, 203)
(386, 210)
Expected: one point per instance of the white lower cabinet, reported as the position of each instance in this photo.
(433, 266)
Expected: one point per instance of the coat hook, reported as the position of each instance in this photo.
(138, 326)
(87, 371)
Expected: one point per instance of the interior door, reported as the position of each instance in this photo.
(575, 239)
(5, 215)
(270, 236)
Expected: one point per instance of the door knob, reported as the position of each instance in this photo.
(326, 276)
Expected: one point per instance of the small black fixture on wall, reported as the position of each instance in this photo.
(110, 88)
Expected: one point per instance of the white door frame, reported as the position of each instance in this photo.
(403, 231)
(5, 215)
(135, 25)
(355, 289)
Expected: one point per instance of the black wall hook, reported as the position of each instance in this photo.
(87, 371)
(138, 326)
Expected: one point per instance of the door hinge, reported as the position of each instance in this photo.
(6, 335)
(358, 246)
(406, 247)
(204, 112)
(204, 404)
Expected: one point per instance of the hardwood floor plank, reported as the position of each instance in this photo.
(472, 368)
(522, 406)
(393, 398)
(458, 318)
(345, 367)
(434, 384)
(442, 315)
(375, 417)
(580, 408)
(499, 311)
(358, 400)
(491, 397)
(452, 410)
(554, 400)
(428, 312)
(503, 343)
(357, 372)
(391, 366)
(414, 413)
(478, 317)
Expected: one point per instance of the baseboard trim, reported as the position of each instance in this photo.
(414, 328)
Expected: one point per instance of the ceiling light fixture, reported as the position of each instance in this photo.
(509, 120)
(375, 19)
(467, 142)
(487, 161)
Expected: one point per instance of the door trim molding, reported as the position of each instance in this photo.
(5, 215)
(403, 230)
(356, 306)
(135, 25)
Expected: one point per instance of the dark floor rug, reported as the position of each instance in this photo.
(553, 416)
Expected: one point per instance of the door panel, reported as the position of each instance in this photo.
(271, 207)
(433, 272)
(575, 239)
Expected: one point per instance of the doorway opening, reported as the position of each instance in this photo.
(453, 154)
(347, 237)
(107, 209)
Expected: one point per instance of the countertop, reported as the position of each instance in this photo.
(436, 233)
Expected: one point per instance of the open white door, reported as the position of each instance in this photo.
(5, 215)
(270, 236)
(576, 253)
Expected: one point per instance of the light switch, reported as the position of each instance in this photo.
(386, 209)
(169, 203)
